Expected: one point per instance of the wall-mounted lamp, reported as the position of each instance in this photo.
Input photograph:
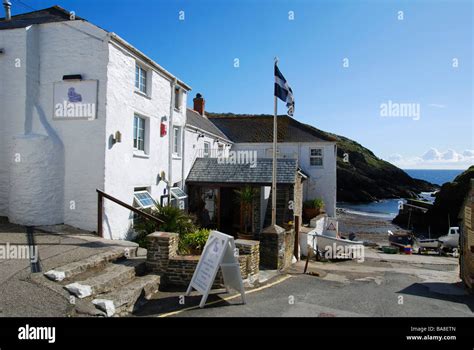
(117, 138)
(72, 77)
(200, 135)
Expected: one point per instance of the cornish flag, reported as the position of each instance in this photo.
(283, 91)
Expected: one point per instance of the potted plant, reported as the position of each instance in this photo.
(245, 197)
(313, 207)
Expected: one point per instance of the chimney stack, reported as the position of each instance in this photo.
(7, 5)
(199, 104)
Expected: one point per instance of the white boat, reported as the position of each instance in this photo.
(330, 241)
(323, 242)
(427, 243)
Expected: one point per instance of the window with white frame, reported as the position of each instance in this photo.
(143, 198)
(139, 133)
(207, 149)
(177, 140)
(220, 150)
(316, 157)
(140, 78)
(177, 98)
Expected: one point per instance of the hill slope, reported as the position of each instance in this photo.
(449, 201)
(365, 177)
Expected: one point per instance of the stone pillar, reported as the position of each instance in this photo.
(252, 249)
(161, 247)
(272, 250)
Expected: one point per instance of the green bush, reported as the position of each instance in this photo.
(316, 203)
(174, 220)
(194, 241)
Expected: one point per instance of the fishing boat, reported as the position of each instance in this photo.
(331, 240)
(404, 241)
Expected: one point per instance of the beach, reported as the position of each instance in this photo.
(366, 227)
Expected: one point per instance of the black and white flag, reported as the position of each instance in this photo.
(283, 91)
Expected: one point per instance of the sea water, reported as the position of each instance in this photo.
(388, 208)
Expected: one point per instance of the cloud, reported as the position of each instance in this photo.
(395, 158)
(435, 159)
(436, 105)
(468, 153)
(432, 154)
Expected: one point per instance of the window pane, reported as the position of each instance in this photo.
(137, 76)
(317, 161)
(144, 199)
(176, 140)
(139, 133)
(177, 101)
(316, 152)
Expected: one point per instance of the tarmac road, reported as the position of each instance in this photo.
(348, 289)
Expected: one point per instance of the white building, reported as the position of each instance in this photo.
(315, 152)
(81, 109)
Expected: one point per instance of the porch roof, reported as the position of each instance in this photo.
(209, 170)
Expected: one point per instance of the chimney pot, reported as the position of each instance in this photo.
(7, 6)
(199, 104)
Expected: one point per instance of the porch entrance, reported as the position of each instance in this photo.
(230, 210)
(216, 207)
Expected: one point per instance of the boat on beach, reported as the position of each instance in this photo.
(403, 241)
(330, 240)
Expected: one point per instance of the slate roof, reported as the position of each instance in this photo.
(198, 121)
(209, 170)
(48, 15)
(259, 128)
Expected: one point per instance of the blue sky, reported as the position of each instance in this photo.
(403, 61)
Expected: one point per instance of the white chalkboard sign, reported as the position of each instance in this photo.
(219, 251)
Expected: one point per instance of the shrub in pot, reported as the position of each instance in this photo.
(312, 208)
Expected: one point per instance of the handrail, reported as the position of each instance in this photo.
(100, 203)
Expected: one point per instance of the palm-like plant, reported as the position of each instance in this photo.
(173, 220)
(245, 197)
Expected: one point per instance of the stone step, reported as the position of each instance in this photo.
(128, 298)
(69, 271)
(112, 276)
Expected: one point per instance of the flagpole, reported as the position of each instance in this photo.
(274, 170)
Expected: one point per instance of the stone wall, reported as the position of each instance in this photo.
(276, 251)
(466, 258)
(177, 270)
(250, 250)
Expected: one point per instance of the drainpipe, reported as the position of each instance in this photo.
(7, 5)
(171, 142)
(183, 148)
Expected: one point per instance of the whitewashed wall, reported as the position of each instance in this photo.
(126, 170)
(321, 181)
(56, 50)
(88, 160)
(195, 145)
